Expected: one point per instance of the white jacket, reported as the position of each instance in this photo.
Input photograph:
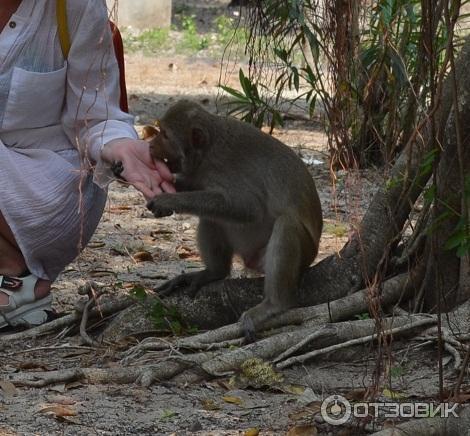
(55, 116)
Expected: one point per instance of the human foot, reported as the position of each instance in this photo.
(42, 289)
(24, 301)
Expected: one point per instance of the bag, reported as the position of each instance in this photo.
(65, 44)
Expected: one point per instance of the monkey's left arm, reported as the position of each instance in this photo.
(208, 204)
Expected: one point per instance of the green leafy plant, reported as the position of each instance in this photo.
(459, 240)
(192, 40)
(149, 41)
(228, 31)
(168, 414)
(163, 316)
(396, 371)
(366, 63)
(250, 105)
(337, 229)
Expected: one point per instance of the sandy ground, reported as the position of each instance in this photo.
(126, 228)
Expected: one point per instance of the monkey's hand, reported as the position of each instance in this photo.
(159, 210)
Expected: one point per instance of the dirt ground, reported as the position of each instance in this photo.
(126, 228)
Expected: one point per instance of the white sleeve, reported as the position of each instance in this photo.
(92, 116)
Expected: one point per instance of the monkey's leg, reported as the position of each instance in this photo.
(207, 204)
(216, 252)
(290, 250)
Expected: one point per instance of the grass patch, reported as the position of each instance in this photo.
(192, 41)
(149, 41)
(335, 228)
(186, 39)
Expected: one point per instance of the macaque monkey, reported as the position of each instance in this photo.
(254, 197)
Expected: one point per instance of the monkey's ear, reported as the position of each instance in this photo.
(199, 138)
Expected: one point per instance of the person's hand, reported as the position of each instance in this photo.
(139, 169)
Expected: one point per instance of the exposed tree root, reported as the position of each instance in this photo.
(93, 293)
(275, 344)
(144, 375)
(224, 361)
(74, 318)
(451, 344)
(312, 331)
(411, 323)
(265, 349)
(394, 290)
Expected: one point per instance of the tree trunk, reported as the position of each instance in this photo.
(443, 288)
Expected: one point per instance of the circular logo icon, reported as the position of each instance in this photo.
(336, 410)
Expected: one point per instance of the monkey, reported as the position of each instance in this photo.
(254, 198)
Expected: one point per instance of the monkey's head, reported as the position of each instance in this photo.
(183, 137)
(160, 148)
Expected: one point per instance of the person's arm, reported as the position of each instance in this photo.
(92, 118)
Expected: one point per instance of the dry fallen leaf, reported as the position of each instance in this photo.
(31, 364)
(143, 256)
(8, 388)
(119, 209)
(394, 395)
(461, 398)
(101, 273)
(306, 413)
(209, 404)
(60, 387)
(303, 430)
(58, 410)
(184, 252)
(74, 385)
(96, 244)
(232, 400)
(128, 285)
(156, 233)
(356, 394)
(252, 432)
(292, 389)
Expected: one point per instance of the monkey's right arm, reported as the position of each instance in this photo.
(207, 204)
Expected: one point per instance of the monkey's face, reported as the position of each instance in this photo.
(162, 148)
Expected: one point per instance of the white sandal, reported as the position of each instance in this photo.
(23, 309)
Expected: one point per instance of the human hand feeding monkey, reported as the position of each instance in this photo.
(138, 168)
(254, 197)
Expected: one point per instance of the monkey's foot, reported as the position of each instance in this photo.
(191, 281)
(158, 210)
(173, 285)
(254, 319)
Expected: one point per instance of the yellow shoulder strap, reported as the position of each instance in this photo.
(63, 27)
